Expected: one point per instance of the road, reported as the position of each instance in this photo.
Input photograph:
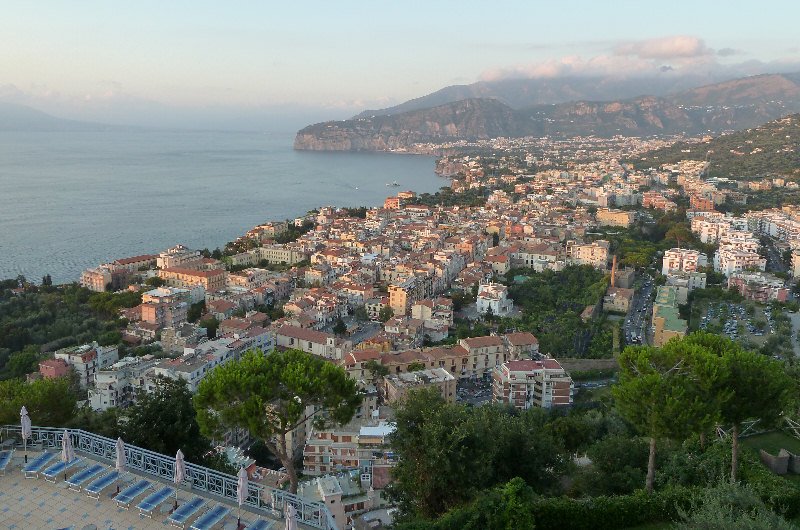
(638, 318)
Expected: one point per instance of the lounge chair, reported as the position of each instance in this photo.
(33, 468)
(5, 458)
(211, 517)
(152, 501)
(185, 511)
(78, 479)
(125, 497)
(51, 473)
(259, 524)
(93, 490)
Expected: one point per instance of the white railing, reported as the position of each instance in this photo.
(271, 501)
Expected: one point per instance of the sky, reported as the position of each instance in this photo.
(200, 62)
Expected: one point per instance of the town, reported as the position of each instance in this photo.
(440, 292)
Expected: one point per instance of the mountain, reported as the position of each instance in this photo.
(769, 149)
(711, 109)
(522, 93)
(21, 118)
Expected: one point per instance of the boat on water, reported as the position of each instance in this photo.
(393, 183)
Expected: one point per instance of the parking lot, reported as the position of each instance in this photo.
(738, 320)
(475, 393)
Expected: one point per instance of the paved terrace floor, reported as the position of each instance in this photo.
(38, 504)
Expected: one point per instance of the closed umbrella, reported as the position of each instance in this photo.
(180, 473)
(120, 460)
(67, 452)
(25, 422)
(291, 517)
(241, 492)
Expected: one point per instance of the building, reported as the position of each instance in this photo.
(118, 384)
(666, 318)
(618, 299)
(165, 307)
(88, 359)
(532, 383)
(177, 256)
(317, 343)
(185, 278)
(397, 386)
(758, 286)
(686, 282)
(594, 254)
(521, 345)
(177, 338)
(607, 216)
(405, 292)
(53, 368)
(96, 279)
(494, 297)
(682, 260)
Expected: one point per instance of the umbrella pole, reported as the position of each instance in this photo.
(25, 448)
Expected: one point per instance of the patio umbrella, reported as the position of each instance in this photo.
(291, 517)
(120, 460)
(67, 452)
(180, 473)
(241, 492)
(25, 421)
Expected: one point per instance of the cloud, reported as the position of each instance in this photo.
(727, 52)
(671, 47)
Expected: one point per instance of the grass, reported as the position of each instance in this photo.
(772, 442)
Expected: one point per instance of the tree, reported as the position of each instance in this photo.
(164, 421)
(385, 313)
(270, 395)
(49, 401)
(24, 362)
(340, 328)
(361, 314)
(211, 324)
(377, 370)
(416, 366)
(155, 281)
(759, 389)
(655, 395)
(47, 280)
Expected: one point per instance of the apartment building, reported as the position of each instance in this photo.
(175, 339)
(177, 256)
(118, 384)
(494, 297)
(594, 254)
(317, 343)
(96, 279)
(165, 307)
(682, 260)
(532, 383)
(282, 254)
(397, 386)
(610, 217)
(686, 282)
(185, 278)
(405, 292)
(88, 359)
(758, 286)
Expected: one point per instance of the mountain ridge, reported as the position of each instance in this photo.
(710, 109)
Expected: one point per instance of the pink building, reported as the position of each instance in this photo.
(53, 368)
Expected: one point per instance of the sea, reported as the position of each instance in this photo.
(74, 200)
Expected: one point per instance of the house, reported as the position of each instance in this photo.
(532, 383)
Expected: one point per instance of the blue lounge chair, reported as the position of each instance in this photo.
(185, 511)
(78, 479)
(33, 468)
(51, 473)
(125, 497)
(5, 458)
(211, 517)
(93, 490)
(259, 524)
(152, 501)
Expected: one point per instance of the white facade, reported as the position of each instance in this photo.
(682, 260)
(495, 297)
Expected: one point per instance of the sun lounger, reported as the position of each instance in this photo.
(51, 473)
(152, 501)
(78, 479)
(259, 524)
(5, 458)
(93, 490)
(185, 511)
(33, 468)
(125, 497)
(211, 517)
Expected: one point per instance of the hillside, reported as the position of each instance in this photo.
(21, 118)
(712, 109)
(770, 149)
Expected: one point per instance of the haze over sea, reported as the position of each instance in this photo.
(70, 201)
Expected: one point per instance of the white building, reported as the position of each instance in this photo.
(88, 359)
(118, 384)
(682, 260)
(494, 296)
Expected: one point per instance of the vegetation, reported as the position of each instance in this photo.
(50, 403)
(269, 395)
(771, 149)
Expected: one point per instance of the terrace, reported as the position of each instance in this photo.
(39, 503)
